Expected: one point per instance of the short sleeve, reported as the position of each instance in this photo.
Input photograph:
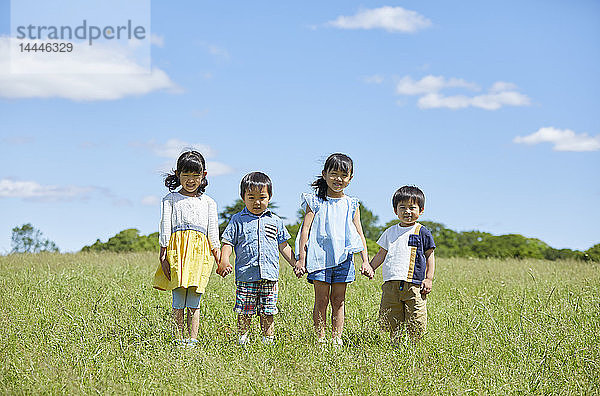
(310, 200)
(426, 239)
(230, 234)
(283, 235)
(354, 205)
(383, 240)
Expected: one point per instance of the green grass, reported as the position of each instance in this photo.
(91, 323)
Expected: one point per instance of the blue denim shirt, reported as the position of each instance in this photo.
(255, 240)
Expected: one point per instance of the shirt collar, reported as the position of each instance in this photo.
(245, 211)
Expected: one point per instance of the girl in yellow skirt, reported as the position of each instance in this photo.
(189, 234)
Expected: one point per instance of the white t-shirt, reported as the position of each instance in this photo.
(397, 262)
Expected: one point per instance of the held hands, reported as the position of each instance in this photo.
(300, 268)
(367, 270)
(224, 268)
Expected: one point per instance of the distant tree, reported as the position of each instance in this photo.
(563, 254)
(593, 253)
(228, 212)
(369, 223)
(28, 239)
(128, 240)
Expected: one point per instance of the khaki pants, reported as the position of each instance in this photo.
(403, 302)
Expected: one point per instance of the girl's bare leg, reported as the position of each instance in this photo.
(322, 290)
(338, 297)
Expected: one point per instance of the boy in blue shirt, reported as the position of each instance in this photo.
(257, 235)
(406, 255)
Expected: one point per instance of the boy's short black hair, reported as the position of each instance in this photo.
(410, 194)
(256, 181)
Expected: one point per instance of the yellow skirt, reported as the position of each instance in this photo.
(191, 262)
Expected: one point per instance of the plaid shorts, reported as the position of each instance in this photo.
(256, 298)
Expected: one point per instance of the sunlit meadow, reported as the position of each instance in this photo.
(91, 323)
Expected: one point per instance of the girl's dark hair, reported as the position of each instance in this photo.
(338, 162)
(409, 194)
(190, 161)
(256, 181)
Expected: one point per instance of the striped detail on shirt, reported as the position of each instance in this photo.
(413, 256)
(271, 231)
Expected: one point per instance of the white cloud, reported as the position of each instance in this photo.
(157, 40)
(89, 76)
(492, 101)
(431, 84)
(501, 86)
(32, 190)
(172, 148)
(217, 168)
(374, 79)
(563, 139)
(391, 19)
(216, 51)
(150, 200)
(430, 88)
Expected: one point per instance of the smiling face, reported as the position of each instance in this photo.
(190, 181)
(257, 200)
(408, 212)
(336, 181)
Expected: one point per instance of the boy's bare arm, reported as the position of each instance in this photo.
(224, 267)
(378, 259)
(428, 281)
(286, 251)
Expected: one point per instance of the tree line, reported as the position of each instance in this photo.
(449, 243)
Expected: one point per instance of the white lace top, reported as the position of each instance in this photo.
(180, 212)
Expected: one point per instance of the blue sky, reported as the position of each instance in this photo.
(488, 107)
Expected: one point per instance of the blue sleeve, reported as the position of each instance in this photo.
(283, 235)
(310, 200)
(354, 205)
(230, 234)
(426, 239)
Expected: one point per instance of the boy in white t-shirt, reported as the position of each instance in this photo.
(406, 254)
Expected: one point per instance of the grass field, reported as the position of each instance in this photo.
(87, 323)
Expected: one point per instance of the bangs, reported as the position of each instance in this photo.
(255, 181)
(190, 163)
(339, 162)
(410, 194)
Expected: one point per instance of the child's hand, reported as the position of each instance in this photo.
(224, 269)
(367, 270)
(426, 286)
(166, 267)
(300, 268)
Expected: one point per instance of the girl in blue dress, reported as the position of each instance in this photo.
(330, 235)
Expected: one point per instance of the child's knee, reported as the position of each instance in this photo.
(322, 301)
(337, 302)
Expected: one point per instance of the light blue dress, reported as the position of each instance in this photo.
(333, 235)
